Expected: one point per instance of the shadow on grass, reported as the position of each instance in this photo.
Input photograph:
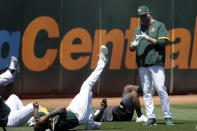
(176, 123)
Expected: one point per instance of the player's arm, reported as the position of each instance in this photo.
(98, 115)
(57, 111)
(152, 40)
(160, 41)
(35, 105)
(162, 36)
(148, 38)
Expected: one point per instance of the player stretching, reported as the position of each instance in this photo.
(80, 109)
(12, 112)
(125, 111)
(149, 40)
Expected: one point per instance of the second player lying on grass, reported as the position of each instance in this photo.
(125, 111)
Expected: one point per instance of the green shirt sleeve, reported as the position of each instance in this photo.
(162, 32)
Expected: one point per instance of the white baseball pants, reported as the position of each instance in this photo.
(81, 104)
(6, 78)
(156, 75)
(19, 113)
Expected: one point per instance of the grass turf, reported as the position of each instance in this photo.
(184, 116)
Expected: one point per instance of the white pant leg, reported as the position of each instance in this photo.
(19, 113)
(6, 78)
(146, 83)
(82, 102)
(18, 117)
(14, 103)
(158, 77)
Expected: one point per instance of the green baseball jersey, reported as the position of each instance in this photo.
(4, 113)
(70, 121)
(148, 54)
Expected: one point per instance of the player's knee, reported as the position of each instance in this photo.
(130, 88)
(134, 94)
(13, 96)
(162, 91)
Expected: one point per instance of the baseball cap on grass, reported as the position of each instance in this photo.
(41, 127)
(142, 10)
(39, 115)
(44, 110)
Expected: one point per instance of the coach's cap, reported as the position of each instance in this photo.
(142, 10)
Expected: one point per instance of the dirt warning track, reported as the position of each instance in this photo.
(113, 101)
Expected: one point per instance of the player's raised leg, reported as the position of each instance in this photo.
(8, 76)
(82, 103)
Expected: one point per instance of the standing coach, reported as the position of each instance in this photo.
(149, 42)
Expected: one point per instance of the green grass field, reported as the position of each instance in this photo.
(184, 116)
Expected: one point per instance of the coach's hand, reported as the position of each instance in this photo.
(143, 36)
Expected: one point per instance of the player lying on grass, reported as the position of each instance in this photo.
(80, 109)
(125, 111)
(13, 113)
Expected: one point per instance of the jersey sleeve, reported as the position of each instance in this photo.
(163, 33)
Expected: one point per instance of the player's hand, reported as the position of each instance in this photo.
(133, 45)
(103, 106)
(35, 105)
(42, 120)
(137, 38)
(142, 36)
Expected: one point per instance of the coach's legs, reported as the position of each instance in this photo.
(146, 83)
(158, 77)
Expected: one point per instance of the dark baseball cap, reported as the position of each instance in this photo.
(40, 127)
(142, 10)
(39, 115)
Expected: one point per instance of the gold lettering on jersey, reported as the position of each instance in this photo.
(153, 29)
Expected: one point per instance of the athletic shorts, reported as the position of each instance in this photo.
(126, 100)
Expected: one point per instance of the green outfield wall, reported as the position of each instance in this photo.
(57, 44)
